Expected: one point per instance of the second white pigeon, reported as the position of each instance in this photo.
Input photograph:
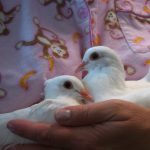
(106, 78)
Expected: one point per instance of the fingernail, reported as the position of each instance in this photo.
(11, 127)
(63, 114)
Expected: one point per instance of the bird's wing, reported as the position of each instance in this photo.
(137, 95)
(41, 112)
(139, 84)
(7, 137)
(44, 111)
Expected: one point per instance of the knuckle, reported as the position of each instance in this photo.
(121, 110)
(85, 111)
(81, 113)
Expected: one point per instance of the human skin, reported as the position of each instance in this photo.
(109, 125)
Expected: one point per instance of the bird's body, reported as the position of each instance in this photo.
(106, 78)
(104, 87)
(42, 112)
(59, 89)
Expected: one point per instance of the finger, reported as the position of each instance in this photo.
(59, 137)
(30, 147)
(89, 114)
(52, 135)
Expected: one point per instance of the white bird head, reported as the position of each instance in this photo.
(100, 57)
(105, 72)
(66, 86)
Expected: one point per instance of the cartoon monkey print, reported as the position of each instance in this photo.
(57, 45)
(7, 17)
(62, 6)
(112, 25)
(144, 19)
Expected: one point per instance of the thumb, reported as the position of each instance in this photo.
(88, 114)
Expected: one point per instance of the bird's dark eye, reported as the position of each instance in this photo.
(94, 56)
(68, 85)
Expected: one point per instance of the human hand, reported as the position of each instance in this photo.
(109, 125)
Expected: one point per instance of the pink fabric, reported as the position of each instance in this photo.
(41, 39)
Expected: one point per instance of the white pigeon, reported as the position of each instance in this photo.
(59, 92)
(106, 78)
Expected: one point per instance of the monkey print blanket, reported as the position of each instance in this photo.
(40, 39)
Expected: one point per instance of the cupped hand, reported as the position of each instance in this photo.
(109, 125)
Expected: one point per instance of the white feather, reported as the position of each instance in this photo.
(56, 96)
(106, 78)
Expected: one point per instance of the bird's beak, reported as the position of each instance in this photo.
(81, 67)
(85, 94)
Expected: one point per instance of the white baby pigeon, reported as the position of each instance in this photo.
(106, 78)
(59, 92)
